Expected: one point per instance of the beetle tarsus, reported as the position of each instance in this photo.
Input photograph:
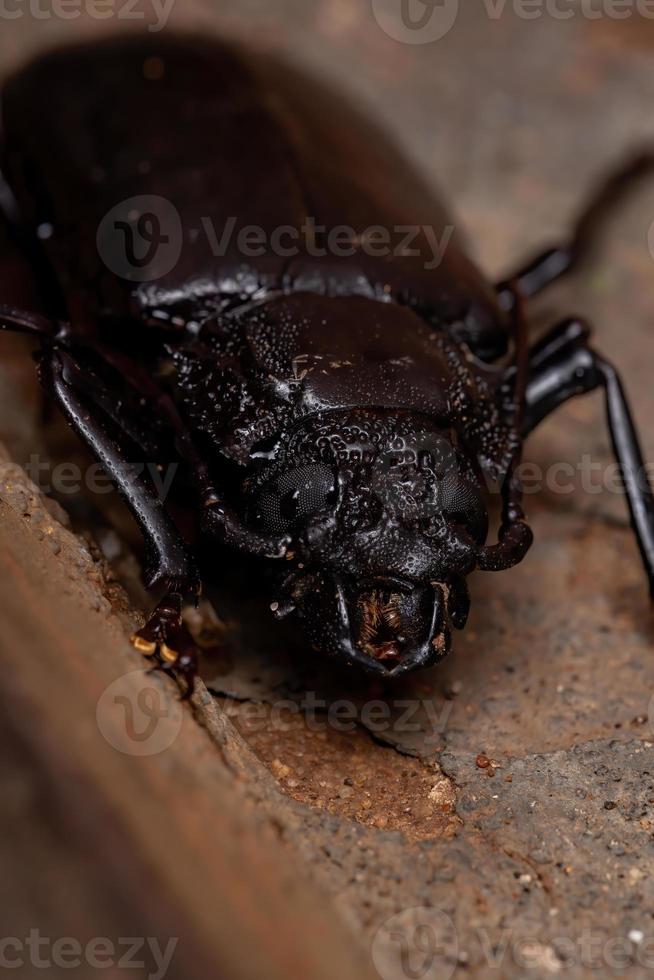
(166, 638)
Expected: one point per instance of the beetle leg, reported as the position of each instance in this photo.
(553, 263)
(222, 522)
(576, 369)
(165, 637)
(515, 536)
(217, 518)
(25, 321)
(167, 559)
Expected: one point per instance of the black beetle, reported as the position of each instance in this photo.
(345, 413)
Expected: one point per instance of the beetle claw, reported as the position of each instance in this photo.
(166, 638)
(144, 646)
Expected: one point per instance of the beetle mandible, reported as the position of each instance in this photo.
(342, 415)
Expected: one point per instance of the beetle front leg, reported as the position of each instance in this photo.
(570, 368)
(27, 321)
(165, 637)
(217, 518)
(167, 560)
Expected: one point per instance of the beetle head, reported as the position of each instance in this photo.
(386, 519)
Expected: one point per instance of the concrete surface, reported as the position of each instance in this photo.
(518, 807)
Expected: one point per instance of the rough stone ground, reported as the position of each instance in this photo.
(520, 803)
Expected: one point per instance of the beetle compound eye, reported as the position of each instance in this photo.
(297, 494)
(306, 490)
(462, 505)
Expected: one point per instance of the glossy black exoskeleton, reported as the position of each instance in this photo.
(343, 413)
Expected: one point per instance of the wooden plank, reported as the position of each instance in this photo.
(104, 842)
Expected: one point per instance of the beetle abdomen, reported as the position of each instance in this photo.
(229, 143)
(133, 118)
